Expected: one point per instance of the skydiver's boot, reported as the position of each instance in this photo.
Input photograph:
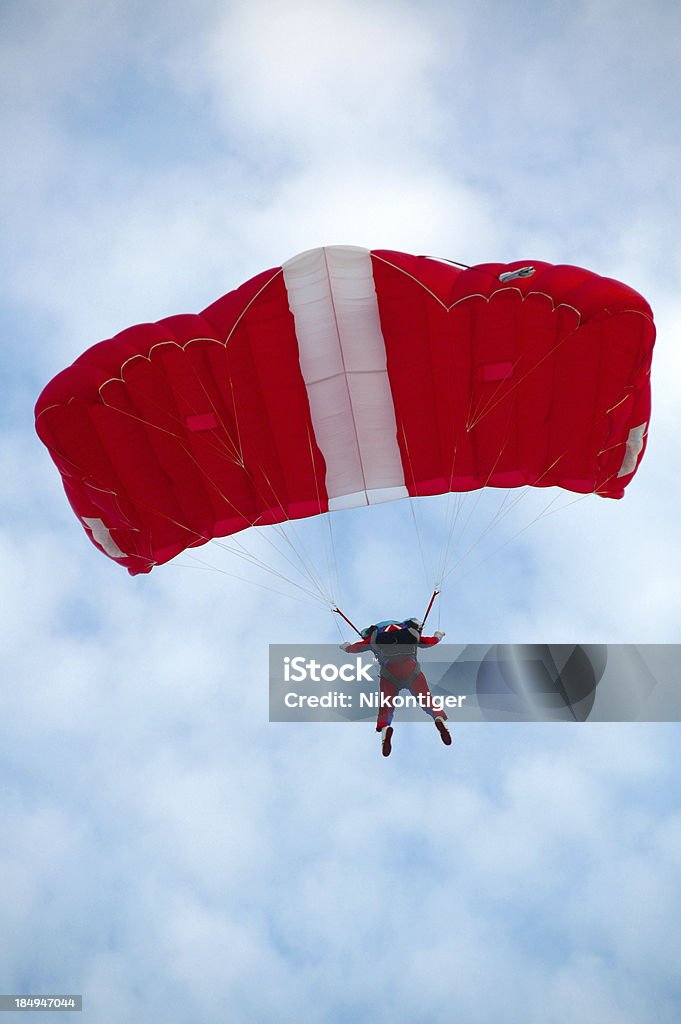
(445, 734)
(386, 740)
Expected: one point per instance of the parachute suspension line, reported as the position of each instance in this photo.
(208, 567)
(307, 569)
(239, 549)
(221, 450)
(329, 520)
(561, 508)
(333, 605)
(445, 574)
(297, 548)
(238, 449)
(235, 545)
(242, 552)
(514, 536)
(428, 572)
(496, 518)
(276, 526)
(523, 492)
(490, 402)
(337, 625)
(236, 422)
(506, 506)
(504, 509)
(451, 521)
(247, 556)
(546, 511)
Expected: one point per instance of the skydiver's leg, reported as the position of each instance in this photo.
(445, 734)
(420, 687)
(388, 693)
(386, 710)
(386, 741)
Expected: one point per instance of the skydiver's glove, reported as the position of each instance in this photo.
(439, 633)
(344, 647)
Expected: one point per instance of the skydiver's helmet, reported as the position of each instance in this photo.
(391, 631)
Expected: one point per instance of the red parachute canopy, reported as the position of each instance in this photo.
(348, 377)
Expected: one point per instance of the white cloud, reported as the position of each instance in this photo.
(328, 83)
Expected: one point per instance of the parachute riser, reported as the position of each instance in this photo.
(337, 611)
(430, 605)
(346, 619)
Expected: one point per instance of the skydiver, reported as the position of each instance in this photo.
(399, 670)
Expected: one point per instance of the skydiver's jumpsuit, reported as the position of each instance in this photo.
(399, 672)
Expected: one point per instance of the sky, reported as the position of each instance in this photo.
(166, 851)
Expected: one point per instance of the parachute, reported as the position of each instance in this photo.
(350, 377)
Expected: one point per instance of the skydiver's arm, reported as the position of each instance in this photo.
(430, 641)
(357, 647)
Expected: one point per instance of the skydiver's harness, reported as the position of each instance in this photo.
(403, 637)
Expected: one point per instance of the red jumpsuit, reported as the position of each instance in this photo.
(399, 672)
